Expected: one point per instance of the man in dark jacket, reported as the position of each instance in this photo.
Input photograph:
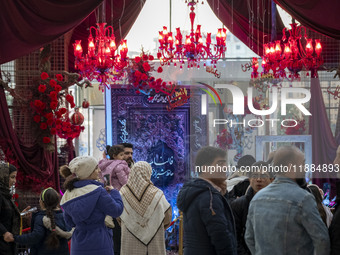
(259, 178)
(209, 227)
(334, 228)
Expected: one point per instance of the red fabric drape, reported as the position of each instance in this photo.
(32, 161)
(321, 16)
(120, 14)
(250, 21)
(323, 142)
(26, 25)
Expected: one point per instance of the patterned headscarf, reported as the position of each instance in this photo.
(144, 204)
(4, 180)
(139, 190)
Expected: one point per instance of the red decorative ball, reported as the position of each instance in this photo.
(77, 118)
(85, 104)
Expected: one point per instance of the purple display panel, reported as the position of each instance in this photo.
(168, 140)
(162, 138)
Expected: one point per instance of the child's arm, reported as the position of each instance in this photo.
(36, 236)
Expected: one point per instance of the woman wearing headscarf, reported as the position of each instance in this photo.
(9, 213)
(85, 204)
(146, 214)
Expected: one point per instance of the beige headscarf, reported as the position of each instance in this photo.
(144, 204)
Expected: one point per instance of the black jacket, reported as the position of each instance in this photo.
(36, 239)
(8, 216)
(239, 190)
(240, 208)
(334, 233)
(209, 227)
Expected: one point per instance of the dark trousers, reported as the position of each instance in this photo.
(117, 236)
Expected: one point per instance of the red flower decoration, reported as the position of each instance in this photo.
(159, 55)
(145, 57)
(53, 95)
(69, 98)
(54, 105)
(137, 59)
(57, 88)
(59, 77)
(138, 73)
(37, 118)
(37, 103)
(151, 57)
(62, 110)
(159, 69)
(42, 88)
(49, 115)
(53, 131)
(144, 77)
(58, 114)
(43, 125)
(53, 83)
(146, 66)
(44, 76)
(46, 140)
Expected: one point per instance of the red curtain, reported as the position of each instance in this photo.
(323, 142)
(250, 21)
(26, 25)
(321, 16)
(38, 168)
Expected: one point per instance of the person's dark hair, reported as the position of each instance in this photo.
(127, 145)
(207, 155)
(114, 150)
(12, 169)
(50, 199)
(259, 164)
(318, 198)
(70, 178)
(246, 160)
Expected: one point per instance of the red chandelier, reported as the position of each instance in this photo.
(193, 49)
(102, 61)
(294, 56)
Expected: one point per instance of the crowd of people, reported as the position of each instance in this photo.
(263, 212)
(112, 207)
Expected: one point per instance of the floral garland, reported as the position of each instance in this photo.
(299, 129)
(224, 139)
(139, 73)
(49, 117)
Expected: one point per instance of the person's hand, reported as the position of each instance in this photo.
(8, 237)
(28, 214)
(109, 188)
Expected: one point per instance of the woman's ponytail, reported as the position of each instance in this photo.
(70, 178)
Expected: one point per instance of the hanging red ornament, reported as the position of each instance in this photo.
(85, 104)
(77, 118)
